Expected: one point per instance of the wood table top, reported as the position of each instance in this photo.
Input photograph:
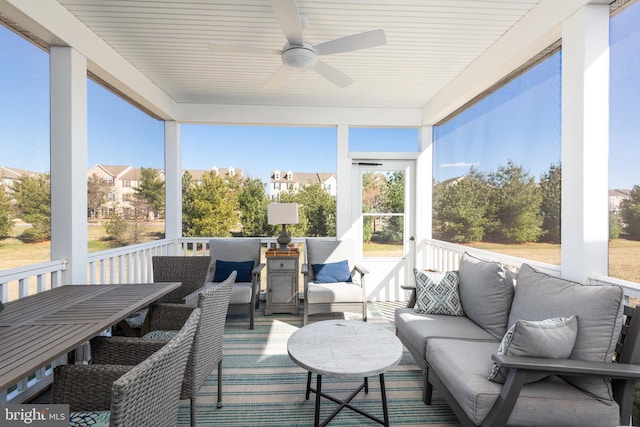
(37, 329)
(345, 348)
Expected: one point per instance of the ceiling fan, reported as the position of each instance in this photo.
(298, 54)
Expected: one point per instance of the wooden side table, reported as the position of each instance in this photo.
(282, 282)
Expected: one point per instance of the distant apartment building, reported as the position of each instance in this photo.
(10, 175)
(123, 180)
(229, 172)
(290, 181)
(616, 197)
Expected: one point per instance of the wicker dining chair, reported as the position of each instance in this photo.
(207, 346)
(144, 395)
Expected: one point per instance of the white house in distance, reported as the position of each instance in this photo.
(293, 181)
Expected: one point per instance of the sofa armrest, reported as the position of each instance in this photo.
(519, 367)
(569, 367)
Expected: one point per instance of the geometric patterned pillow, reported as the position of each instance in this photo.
(437, 293)
(89, 418)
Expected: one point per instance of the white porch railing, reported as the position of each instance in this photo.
(132, 264)
(444, 256)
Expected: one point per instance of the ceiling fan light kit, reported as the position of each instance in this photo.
(300, 58)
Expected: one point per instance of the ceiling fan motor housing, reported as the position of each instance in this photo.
(302, 57)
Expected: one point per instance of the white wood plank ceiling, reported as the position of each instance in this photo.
(429, 42)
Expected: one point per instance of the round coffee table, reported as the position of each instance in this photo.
(349, 349)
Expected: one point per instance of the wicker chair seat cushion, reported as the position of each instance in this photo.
(89, 418)
(160, 335)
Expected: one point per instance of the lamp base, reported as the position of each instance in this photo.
(283, 240)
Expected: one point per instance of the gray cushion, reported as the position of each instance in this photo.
(598, 310)
(319, 293)
(462, 366)
(420, 328)
(553, 338)
(437, 293)
(486, 292)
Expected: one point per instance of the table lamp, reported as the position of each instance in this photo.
(282, 213)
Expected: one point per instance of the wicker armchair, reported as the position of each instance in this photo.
(207, 347)
(190, 270)
(143, 395)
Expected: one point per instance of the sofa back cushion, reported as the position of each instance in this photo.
(540, 296)
(486, 292)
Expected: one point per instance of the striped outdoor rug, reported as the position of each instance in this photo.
(263, 387)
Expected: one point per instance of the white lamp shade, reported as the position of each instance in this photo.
(282, 213)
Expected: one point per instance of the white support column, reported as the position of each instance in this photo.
(173, 180)
(69, 162)
(343, 193)
(585, 143)
(424, 194)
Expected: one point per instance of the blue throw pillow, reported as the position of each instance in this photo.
(331, 272)
(225, 268)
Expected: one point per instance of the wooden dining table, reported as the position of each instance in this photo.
(40, 328)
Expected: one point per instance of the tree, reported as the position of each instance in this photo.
(212, 208)
(630, 211)
(393, 202)
(317, 217)
(97, 191)
(460, 208)
(5, 213)
(550, 190)
(151, 191)
(253, 207)
(33, 205)
(514, 205)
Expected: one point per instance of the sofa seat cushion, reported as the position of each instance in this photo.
(462, 367)
(486, 292)
(322, 293)
(419, 328)
(598, 309)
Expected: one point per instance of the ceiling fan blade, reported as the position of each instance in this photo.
(236, 48)
(277, 77)
(286, 12)
(332, 74)
(353, 42)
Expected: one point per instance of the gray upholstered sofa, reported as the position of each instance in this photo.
(566, 378)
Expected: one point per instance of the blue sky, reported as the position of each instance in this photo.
(119, 134)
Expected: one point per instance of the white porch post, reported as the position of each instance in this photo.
(69, 162)
(424, 194)
(343, 193)
(173, 181)
(585, 143)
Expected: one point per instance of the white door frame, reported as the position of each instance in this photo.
(387, 275)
